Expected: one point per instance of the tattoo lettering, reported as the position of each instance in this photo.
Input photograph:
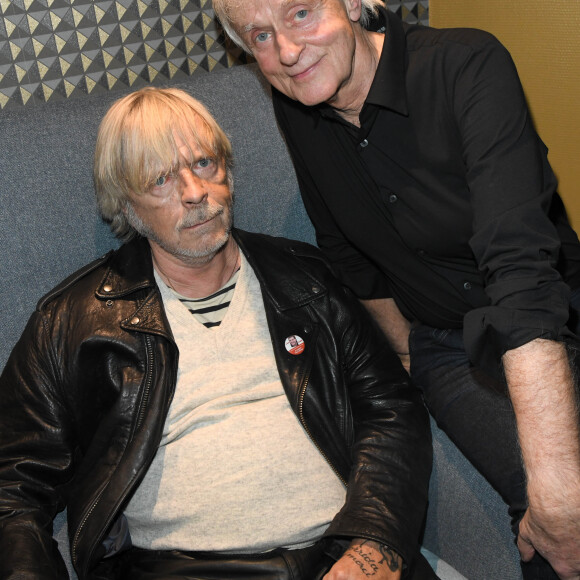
(367, 563)
(361, 564)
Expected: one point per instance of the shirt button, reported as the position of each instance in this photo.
(135, 321)
(393, 198)
(364, 143)
(108, 288)
(467, 286)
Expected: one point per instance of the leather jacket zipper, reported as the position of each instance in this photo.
(147, 388)
(303, 421)
(148, 381)
(83, 522)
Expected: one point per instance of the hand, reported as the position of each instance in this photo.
(406, 360)
(367, 559)
(555, 534)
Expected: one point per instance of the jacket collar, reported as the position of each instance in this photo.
(282, 278)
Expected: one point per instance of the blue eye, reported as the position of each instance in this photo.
(301, 14)
(206, 162)
(262, 37)
(161, 181)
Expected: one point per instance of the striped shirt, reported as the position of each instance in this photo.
(211, 310)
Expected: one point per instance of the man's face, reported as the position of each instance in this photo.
(305, 48)
(187, 212)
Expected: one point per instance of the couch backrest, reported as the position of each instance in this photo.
(49, 224)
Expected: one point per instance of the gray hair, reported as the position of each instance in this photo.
(223, 10)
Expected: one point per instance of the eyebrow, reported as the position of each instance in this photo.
(284, 4)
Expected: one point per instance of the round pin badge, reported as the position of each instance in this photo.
(294, 344)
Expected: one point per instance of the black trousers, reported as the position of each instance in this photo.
(310, 563)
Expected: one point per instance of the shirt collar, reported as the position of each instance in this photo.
(388, 88)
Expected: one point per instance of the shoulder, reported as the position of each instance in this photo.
(452, 51)
(449, 39)
(127, 268)
(458, 62)
(279, 261)
(93, 271)
(279, 248)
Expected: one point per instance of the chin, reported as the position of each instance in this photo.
(207, 249)
(316, 96)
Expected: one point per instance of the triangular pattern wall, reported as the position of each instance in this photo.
(56, 49)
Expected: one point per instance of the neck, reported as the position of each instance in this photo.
(201, 279)
(350, 99)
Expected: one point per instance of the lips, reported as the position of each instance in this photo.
(303, 74)
(191, 227)
(198, 218)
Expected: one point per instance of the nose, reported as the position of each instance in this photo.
(289, 48)
(192, 188)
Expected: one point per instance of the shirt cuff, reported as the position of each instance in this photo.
(491, 331)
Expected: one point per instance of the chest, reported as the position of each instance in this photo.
(401, 176)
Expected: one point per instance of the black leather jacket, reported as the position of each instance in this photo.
(87, 389)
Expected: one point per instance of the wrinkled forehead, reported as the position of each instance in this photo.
(242, 13)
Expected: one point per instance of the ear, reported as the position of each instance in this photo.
(353, 9)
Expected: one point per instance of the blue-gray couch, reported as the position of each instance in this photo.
(49, 227)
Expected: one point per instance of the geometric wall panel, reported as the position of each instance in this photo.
(57, 49)
(415, 12)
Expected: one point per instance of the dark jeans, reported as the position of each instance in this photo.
(475, 412)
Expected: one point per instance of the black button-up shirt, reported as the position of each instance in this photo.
(443, 199)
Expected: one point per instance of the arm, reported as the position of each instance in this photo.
(395, 326)
(391, 450)
(34, 462)
(516, 246)
(543, 394)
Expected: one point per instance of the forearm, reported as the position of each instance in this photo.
(391, 432)
(541, 387)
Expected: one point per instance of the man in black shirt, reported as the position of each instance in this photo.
(432, 195)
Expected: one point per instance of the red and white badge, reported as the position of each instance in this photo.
(294, 344)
